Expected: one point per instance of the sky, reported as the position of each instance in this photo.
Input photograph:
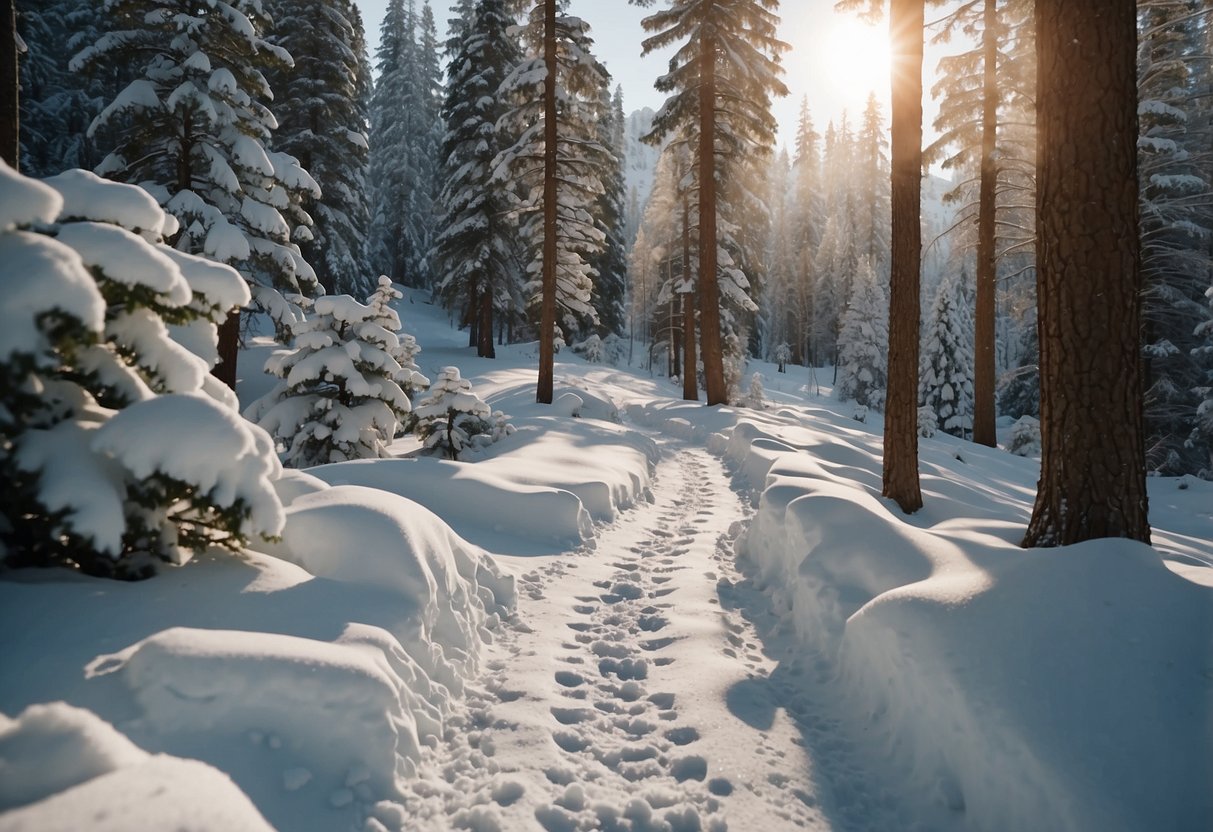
(834, 60)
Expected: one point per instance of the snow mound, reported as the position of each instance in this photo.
(1011, 689)
(63, 769)
(454, 590)
(478, 504)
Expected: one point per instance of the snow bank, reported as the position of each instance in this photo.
(480, 505)
(1063, 689)
(63, 769)
(449, 590)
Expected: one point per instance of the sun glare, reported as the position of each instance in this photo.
(854, 60)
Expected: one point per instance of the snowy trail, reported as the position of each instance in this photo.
(637, 695)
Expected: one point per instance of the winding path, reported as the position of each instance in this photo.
(636, 695)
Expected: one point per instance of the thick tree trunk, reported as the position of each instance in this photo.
(10, 89)
(1092, 479)
(983, 330)
(906, 22)
(709, 291)
(690, 370)
(229, 349)
(547, 310)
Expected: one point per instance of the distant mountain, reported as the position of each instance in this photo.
(639, 168)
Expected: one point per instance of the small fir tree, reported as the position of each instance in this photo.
(864, 342)
(946, 371)
(452, 415)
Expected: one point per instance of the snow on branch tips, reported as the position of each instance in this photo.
(98, 394)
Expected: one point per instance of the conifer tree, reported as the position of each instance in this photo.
(340, 396)
(95, 393)
(945, 378)
(322, 122)
(610, 263)
(452, 416)
(872, 214)
(721, 81)
(475, 249)
(805, 230)
(559, 87)
(193, 128)
(864, 342)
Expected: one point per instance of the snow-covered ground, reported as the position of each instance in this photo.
(646, 616)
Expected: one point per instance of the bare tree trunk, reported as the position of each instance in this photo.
(10, 87)
(229, 349)
(690, 370)
(983, 330)
(1092, 479)
(906, 22)
(547, 310)
(709, 292)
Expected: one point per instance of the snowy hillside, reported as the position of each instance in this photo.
(633, 613)
(639, 168)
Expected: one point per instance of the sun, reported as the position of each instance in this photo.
(854, 60)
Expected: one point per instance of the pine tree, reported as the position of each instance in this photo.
(452, 416)
(945, 378)
(475, 249)
(610, 263)
(410, 378)
(864, 343)
(95, 393)
(340, 396)
(1092, 481)
(57, 106)
(322, 122)
(10, 90)
(721, 82)
(559, 88)
(194, 129)
(872, 214)
(805, 229)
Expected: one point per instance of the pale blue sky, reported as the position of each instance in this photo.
(833, 59)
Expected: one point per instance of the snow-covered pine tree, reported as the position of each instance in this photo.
(805, 226)
(864, 342)
(945, 376)
(323, 122)
(610, 264)
(872, 213)
(428, 134)
(95, 395)
(57, 106)
(452, 415)
(340, 393)
(411, 379)
(475, 249)
(557, 207)
(193, 128)
(1176, 227)
(739, 79)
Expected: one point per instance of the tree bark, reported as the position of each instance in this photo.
(1092, 480)
(229, 349)
(906, 23)
(484, 347)
(690, 369)
(547, 310)
(10, 87)
(983, 329)
(709, 291)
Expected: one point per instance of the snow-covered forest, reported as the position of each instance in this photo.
(401, 433)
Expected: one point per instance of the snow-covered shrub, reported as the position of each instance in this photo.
(501, 426)
(756, 397)
(927, 423)
(590, 349)
(341, 392)
(451, 415)
(734, 364)
(1025, 437)
(860, 413)
(115, 445)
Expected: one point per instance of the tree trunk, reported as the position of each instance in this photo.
(485, 348)
(983, 329)
(906, 22)
(1092, 479)
(10, 89)
(547, 310)
(690, 370)
(229, 349)
(709, 292)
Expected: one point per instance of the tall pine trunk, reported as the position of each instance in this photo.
(906, 23)
(547, 310)
(10, 90)
(709, 291)
(690, 370)
(983, 329)
(1092, 479)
